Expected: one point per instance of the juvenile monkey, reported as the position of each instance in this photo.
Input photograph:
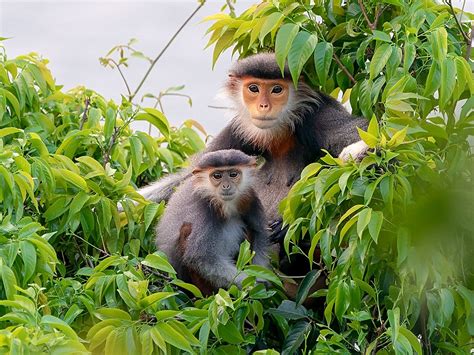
(209, 216)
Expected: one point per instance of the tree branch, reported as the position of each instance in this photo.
(464, 34)
(469, 46)
(364, 12)
(84, 115)
(164, 50)
(343, 68)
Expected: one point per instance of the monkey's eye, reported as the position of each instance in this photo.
(234, 174)
(253, 88)
(217, 176)
(277, 89)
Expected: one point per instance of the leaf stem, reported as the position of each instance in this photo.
(343, 68)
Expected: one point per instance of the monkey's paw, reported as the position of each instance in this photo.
(355, 151)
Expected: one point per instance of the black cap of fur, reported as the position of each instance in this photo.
(262, 66)
(228, 157)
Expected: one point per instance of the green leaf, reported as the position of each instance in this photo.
(9, 281)
(149, 213)
(284, 39)
(433, 80)
(295, 337)
(289, 310)
(270, 23)
(373, 127)
(448, 81)
(156, 118)
(394, 319)
(158, 262)
(414, 342)
(408, 56)
(375, 224)
(439, 44)
(301, 49)
(363, 220)
(223, 42)
(60, 325)
(381, 36)
(110, 119)
(379, 60)
(322, 60)
(342, 301)
(37, 143)
(28, 255)
(230, 333)
(8, 131)
(13, 101)
(112, 313)
(368, 138)
(72, 178)
(171, 336)
(305, 286)
(263, 273)
(155, 297)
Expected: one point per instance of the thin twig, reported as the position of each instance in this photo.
(123, 76)
(84, 115)
(464, 34)
(469, 46)
(111, 145)
(364, 12)
(164, 50)
(379, 12)
(344, 69)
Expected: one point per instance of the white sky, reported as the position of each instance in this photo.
(74, 34)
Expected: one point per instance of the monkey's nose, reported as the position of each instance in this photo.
(225, 186)
(264, 106)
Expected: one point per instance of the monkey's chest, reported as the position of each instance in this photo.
(231, 235)
(274, 180)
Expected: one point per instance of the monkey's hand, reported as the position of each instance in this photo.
(355, 151)
(277, 233)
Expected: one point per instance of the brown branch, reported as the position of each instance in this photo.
(464, 34)
(84, 115)
(469, 46)
(164, 50)
(111, 145)
(364, 12)
(378, 13)
(123, 76)
(343, 68)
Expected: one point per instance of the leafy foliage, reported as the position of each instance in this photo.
(395, 230)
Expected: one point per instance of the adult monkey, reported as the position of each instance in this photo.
(287, 126)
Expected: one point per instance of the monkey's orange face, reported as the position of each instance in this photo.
(265, 99)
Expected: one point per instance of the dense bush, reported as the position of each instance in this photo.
(395, 230)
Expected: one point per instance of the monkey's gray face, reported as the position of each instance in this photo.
(226, 182)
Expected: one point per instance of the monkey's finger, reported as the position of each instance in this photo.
(278, 236)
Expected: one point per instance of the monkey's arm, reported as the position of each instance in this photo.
(257, 228)
(336, 130)
(211, 261)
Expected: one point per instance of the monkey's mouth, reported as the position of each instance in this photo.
(264, 121)
(227, 196)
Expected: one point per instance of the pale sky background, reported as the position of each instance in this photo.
(73, 34)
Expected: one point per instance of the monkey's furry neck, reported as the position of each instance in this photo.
(301, 102)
